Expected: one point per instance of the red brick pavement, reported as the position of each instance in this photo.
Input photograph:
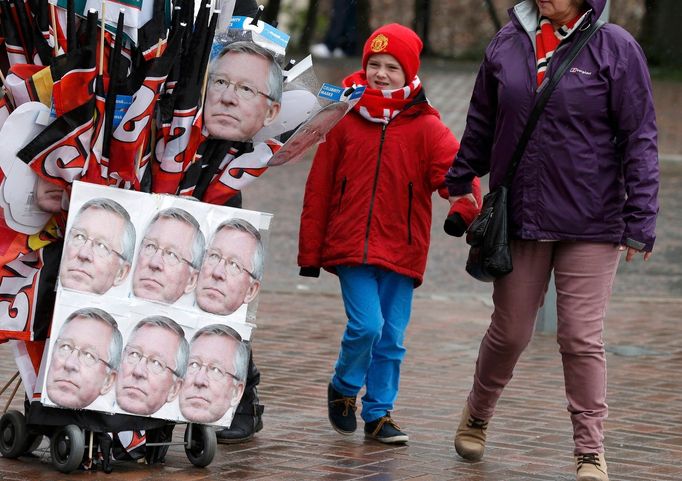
(529, 438)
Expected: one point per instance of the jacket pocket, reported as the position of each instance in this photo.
(343, 191)
(410, 194)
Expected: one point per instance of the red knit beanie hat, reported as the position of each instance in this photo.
(396, 40)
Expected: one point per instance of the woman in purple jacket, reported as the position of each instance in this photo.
(585, 190)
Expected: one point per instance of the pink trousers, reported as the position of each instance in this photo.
(583, 273)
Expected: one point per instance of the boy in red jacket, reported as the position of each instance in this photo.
(367, 218)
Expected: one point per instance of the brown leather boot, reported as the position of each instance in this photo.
(591, 467)
(470, 436)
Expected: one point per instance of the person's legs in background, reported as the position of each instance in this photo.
(341, 37)
(343, 31)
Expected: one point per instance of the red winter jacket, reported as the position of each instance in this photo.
(368, 194)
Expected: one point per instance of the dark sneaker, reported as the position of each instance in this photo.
(341, 411)
(385, 430)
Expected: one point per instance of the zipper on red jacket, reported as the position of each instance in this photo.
(409, 212)
(374, 192)
(343, 190)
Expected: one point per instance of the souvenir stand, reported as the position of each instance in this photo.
(103, 144)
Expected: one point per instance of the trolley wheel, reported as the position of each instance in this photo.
(32, 442)
(67, 447)
(13, 434)
(201, 450)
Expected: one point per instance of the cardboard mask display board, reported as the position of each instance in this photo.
(148, 272)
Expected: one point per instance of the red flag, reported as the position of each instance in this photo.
(13, 44)
(59, 153)
(152, 34)
(114, 87)
(29, 83)
(238, 172)
(74, 73)
(39, 51)
(76, 87)
(130, 139)
(180, 138)
(94, 171)
(28, 274)
(176, 149)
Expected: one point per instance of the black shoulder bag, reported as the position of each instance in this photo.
(488, 235)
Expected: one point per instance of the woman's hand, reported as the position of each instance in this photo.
(632, 252)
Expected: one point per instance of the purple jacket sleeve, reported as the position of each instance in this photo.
(473, 157)
(633, 110)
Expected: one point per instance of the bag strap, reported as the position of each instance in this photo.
(544, 97)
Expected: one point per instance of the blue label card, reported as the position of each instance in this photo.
(331, 92)
(265, 30)
(122, 104)
(357, 93)
(339, 94)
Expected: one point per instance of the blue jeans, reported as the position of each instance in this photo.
(378, 304)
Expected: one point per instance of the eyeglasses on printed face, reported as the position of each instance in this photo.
(169, 256)
(78, 238)
(155, 365)
(212, 371)
(87, 357)
(232, 266)
(243, 90)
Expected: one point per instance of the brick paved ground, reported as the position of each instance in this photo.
(529, 438)
(301, 320)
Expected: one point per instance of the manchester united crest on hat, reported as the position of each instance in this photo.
(379, 43)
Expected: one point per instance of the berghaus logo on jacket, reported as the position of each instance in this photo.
(580, 71)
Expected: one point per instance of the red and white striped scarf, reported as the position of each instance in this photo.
(381, 106)
(547, 39)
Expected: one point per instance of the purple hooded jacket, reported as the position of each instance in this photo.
(590, 169)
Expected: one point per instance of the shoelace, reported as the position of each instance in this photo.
(385, 420)
(476, 423)
(348, 403)
(588, 458)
